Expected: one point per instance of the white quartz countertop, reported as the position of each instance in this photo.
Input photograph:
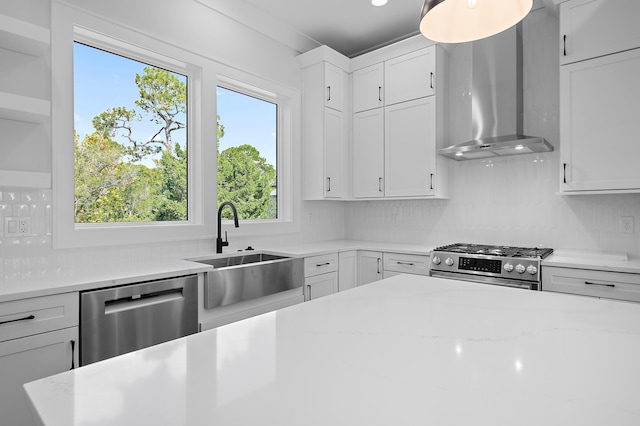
(76, 276)
(599, 261)
(408, 350)
(325, 247)
(86, 277)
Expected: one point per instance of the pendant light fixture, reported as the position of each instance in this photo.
(458, 21)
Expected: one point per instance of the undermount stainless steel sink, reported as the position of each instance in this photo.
(248, 276)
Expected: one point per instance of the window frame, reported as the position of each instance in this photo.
(71, 25)
(287, 102)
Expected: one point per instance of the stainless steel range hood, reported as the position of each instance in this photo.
(496, 101)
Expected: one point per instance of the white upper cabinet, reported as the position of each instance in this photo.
(368, 88)
(591, 28)
(395, 146)
(325, 131)
(410, 76)
(599, 110)
(334, 87)
(599, 96)
(410, 148)
(368, 154)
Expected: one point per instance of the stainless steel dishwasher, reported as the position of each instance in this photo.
(117, 320)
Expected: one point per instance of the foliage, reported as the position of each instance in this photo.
(146, 180)
(247, 180)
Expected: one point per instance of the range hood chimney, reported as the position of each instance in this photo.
(496, 101)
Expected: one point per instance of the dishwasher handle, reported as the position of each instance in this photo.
(136, 302)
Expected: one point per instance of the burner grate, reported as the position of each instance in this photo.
(495, 250)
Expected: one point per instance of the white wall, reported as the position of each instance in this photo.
(511, 200)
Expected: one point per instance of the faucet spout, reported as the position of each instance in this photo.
(219, 242)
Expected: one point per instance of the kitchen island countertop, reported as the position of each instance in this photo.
(408, 350)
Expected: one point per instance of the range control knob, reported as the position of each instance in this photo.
(436, 260)
(532, 269)
(449, 261)
(520, 268)
(508, 267)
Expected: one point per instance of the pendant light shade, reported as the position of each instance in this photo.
(458, 21)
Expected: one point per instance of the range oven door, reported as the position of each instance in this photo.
(527, 285)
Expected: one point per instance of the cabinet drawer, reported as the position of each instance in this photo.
(406, 263)
(316, 265)
(25, 317)
(611, 285)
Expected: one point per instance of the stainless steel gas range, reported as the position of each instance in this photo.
(501, 265)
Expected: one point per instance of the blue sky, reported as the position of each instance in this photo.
(103, 80)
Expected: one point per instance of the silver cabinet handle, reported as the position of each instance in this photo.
(431, 184)
(27, 318)
(431, 81)
(379, 93)
(379, 184)
(564, 173)
(318, 265)
(328, 93)
(564, 45)
(404, 263)
(600, 284)
(378, 264)
(308, 292)
(329, 184)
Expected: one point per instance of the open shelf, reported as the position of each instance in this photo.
(23, 36)
(17, 179)
(24, 108)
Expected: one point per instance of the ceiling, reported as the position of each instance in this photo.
(351, 27)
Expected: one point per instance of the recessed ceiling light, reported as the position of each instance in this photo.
(378, 2)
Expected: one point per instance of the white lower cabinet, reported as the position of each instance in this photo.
(38, 338)
(369, 266)
(400, 263)
(320, 276)
(348, 270)
(320, 285)
(587, 282)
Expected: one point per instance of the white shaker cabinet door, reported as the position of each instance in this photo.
(410, 76)
(333, 153)
(320, 285)
(600, 108)
(368, 154)
(31, 358)
(368, 88)
(410, 148)
(348, 272)
(592, 28)
(334, 87)
(369, 266)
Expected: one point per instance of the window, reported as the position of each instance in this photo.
(247, 129)
(152, 197)
(130, 139)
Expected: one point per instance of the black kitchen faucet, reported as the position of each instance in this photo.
(219, 242)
